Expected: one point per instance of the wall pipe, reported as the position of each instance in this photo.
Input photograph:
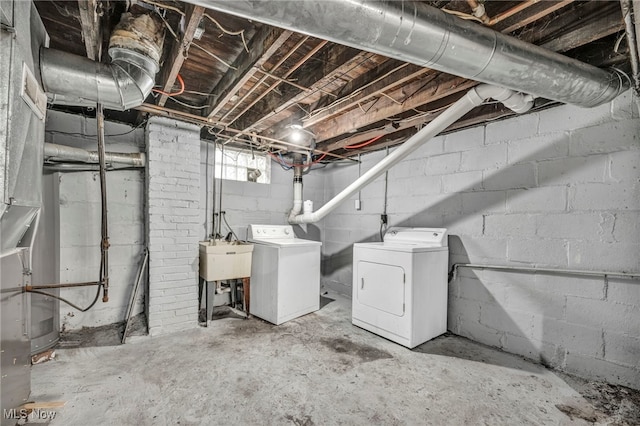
(424, 35)
(454, 271)
(104, 246)
(297, 193)
(479, 11)
(629, 14)
(517, 102)
(68, 153)
(66, 285)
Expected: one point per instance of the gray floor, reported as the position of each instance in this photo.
(315, 370)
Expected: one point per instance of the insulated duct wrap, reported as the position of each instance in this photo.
(67, 153)
(424, 35)
(135, 48)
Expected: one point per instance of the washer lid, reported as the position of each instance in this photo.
(402, 247)
(286, 242)
(432, 237)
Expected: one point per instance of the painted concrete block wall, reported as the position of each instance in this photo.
(248, 203)
(558, 188)
(79, 222)
(173, 188)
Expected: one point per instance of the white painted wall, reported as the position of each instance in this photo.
(248, 203)
(173, 186)
(79, 221)
(558, 188)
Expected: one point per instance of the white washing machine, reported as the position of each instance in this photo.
(285, 274)
(400, 285)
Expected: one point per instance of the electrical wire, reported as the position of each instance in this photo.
(179, 92)
(462, 15)
(224, 30)
(62, 299)
(173, 33)
(280, 161)
(188, 105)
(362, 145)
(214, 56)
(224, 218)
(289, 166)
(55, 132)
(165, 6)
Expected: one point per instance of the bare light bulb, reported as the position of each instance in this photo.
(296, 136)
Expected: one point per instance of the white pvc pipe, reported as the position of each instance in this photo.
(474, 97)
(297, 193)
(297, 201)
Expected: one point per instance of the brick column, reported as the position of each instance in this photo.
(173, 194)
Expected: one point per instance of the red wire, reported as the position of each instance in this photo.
(370, 141)
(284, 163)
(179, 92)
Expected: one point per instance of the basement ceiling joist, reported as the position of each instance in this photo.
(249, 77)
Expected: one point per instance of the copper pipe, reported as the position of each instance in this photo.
(203, 121)
(478, 11)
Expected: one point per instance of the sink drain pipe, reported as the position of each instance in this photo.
(517, 102)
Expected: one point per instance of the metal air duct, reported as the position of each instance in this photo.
(67, 153)
(424, 35)
(135, 48)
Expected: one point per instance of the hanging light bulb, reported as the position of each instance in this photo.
(297, 133)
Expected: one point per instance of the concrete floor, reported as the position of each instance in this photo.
(314, 370)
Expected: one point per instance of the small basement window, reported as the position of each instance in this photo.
(242, 165)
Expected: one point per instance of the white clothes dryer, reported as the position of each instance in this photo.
(400, 285)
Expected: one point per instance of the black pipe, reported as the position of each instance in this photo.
(66, 301)
(51, 286)
(104, 246)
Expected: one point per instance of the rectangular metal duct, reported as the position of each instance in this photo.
(22, 128)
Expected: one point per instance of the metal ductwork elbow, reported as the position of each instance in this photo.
(135, 48)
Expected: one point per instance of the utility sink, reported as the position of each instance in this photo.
(222, 260)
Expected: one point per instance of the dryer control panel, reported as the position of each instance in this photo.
(436, 237)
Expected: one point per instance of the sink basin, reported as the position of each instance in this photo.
(225, 261)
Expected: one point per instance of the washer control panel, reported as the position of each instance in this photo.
(263, 232)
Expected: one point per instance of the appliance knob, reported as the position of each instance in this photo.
(286, 232)
(435, 234)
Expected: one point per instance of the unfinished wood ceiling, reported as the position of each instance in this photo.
(249, 82)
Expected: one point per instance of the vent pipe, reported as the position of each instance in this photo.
(424, 35)
(135, 48)
(517, 102)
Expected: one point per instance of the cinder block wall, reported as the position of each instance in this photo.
(173, 188)
(558, 188)
(248, 203)
(79, 222)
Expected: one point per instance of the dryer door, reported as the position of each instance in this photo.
(381, 287)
